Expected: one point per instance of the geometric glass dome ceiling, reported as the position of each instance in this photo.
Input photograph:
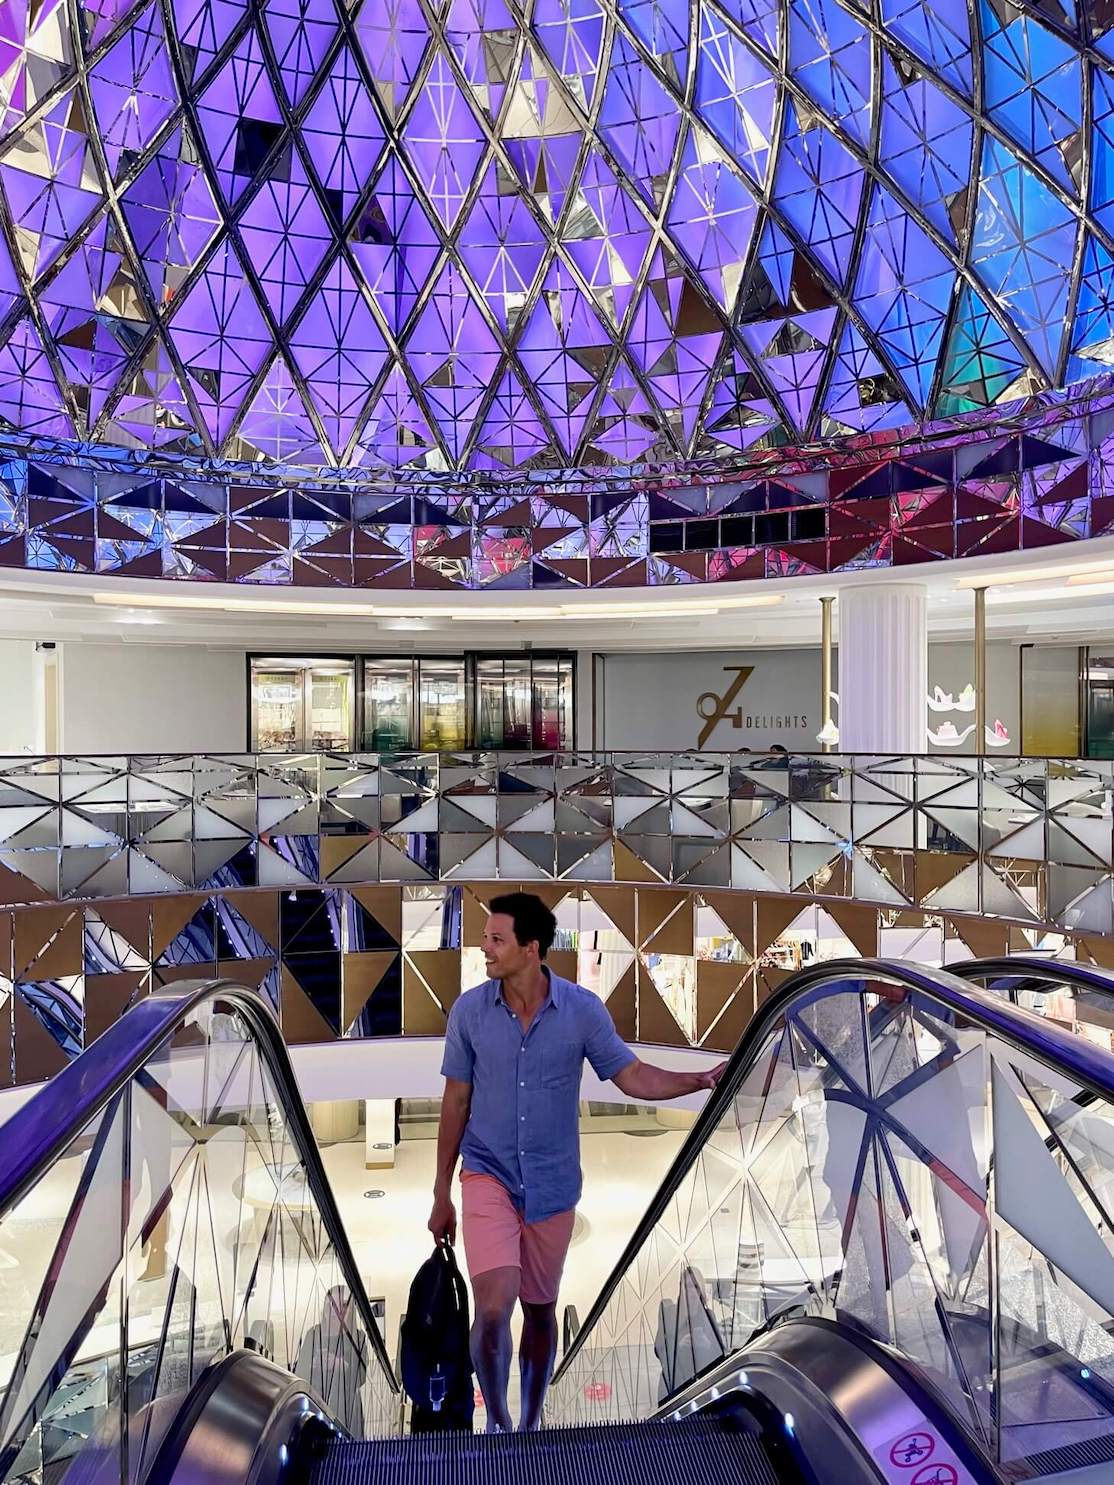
(481, 235)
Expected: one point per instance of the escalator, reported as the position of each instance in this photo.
(883, 1254)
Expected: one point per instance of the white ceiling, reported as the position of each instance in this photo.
(1061, 596)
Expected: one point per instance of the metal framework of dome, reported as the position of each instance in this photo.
(484, 234)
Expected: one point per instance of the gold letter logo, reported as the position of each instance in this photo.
(713, 708)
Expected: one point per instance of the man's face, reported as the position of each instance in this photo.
(503, 953)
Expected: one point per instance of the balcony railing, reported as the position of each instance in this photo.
(1025, 840)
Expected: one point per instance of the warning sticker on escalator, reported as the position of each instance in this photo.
(919, 1456)
(912, 1449)
(936, 1474)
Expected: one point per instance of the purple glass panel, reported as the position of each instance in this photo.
(133, 88)
(454, 355)
(444, 141)
(223, 338)
(340, 351)
(343, 134)
(285, 234)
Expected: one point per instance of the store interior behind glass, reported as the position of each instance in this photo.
(428, 703)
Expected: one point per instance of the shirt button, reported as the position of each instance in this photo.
(522, 1085)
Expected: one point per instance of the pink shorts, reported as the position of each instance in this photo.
(495, 1236)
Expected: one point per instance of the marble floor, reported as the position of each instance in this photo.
(622, 1170)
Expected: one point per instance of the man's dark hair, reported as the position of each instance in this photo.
(532, 919)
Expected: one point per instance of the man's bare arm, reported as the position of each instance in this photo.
(658, 1085)
(455, 1105)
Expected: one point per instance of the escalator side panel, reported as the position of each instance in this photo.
(243, 1424)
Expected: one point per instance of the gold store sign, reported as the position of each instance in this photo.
(714, 708)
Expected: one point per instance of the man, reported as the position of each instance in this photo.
(514, 1051)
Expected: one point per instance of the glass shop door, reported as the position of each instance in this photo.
(516, 702)
(302, 706)
(329, 712)
(553, 700)
(388, 705)
(442, 705)
(277, 709)
(489, 701)
(1100, 707)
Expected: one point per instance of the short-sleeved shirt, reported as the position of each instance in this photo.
(524, 1123)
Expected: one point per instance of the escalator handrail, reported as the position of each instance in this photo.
(1034, 970)
(40, 1131)
(1042, 1040)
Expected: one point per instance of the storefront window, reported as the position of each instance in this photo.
(329, 715)
(302, 706)
(1100, 706)
(1050, 706)
(489, 702)
(388, 705)
(552, 709)
(392, 704)
(442, 706)
(277, 703)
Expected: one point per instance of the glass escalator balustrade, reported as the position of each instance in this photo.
(912, 1162)
(178, 1225)
(891, 1164)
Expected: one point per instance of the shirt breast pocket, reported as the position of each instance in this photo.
(561, 1064)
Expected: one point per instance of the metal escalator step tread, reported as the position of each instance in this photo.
(711, 1452)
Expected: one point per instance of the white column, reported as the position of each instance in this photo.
(379, 1135)
(883, 668)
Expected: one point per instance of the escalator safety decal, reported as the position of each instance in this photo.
(919, 1456)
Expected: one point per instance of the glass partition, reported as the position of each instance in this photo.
(517, 697)
(1100, 706)
(524, 701)
(503, 701)
(442, 705)
(300, 706)
(277, 705)
(1077, 997)
(887, 1162)
(180, 1224)
(329, 714)
(388, 705)
(1050, 701)
(489, 701)
(553, 701)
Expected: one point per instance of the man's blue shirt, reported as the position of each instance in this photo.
(524, 1123)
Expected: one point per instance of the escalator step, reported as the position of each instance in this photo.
(712, 1452)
